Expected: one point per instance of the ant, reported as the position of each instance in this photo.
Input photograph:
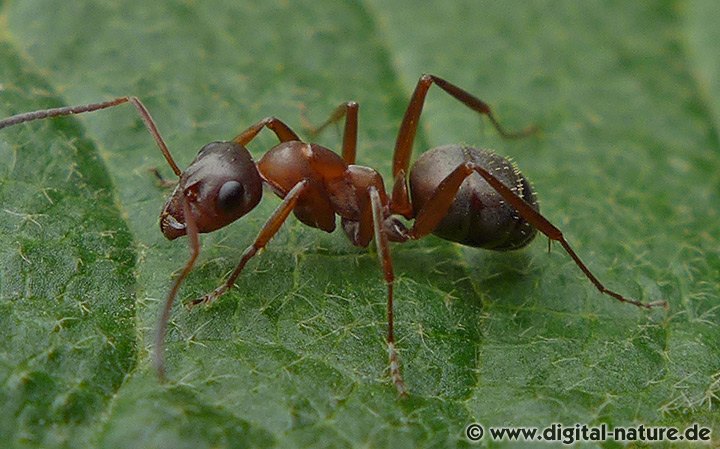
(463, 194)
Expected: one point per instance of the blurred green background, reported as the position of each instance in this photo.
(627, 163)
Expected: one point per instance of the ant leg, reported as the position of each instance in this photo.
(383, 249)
(437, 206)
(269, 229)
(349, 110)
(194, 241)
(71, 110)
(408, 128)
(400, 203)
(281, 130)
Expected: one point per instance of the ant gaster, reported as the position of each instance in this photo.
(467, 195)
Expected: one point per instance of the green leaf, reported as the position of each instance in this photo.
(626, 165)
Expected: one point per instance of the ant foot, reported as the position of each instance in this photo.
(395, 375)
(660, 303)
(208, 298)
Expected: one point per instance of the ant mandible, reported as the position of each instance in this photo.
(467, 195)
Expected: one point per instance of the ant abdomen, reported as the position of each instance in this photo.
(478, 216)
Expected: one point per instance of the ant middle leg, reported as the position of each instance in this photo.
(383, 250)
(408, 128)
(348, 110)
(283, 132)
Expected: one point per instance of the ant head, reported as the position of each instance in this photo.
(221, 185)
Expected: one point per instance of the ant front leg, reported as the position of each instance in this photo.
(267, 232)
(194, 242)
(438, 204)
(349, 110)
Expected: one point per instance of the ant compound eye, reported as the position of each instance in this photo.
(230, 196)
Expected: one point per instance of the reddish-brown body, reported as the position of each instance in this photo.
(466, 195)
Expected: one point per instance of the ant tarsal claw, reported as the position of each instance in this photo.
(208, 298)
(395, 374)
